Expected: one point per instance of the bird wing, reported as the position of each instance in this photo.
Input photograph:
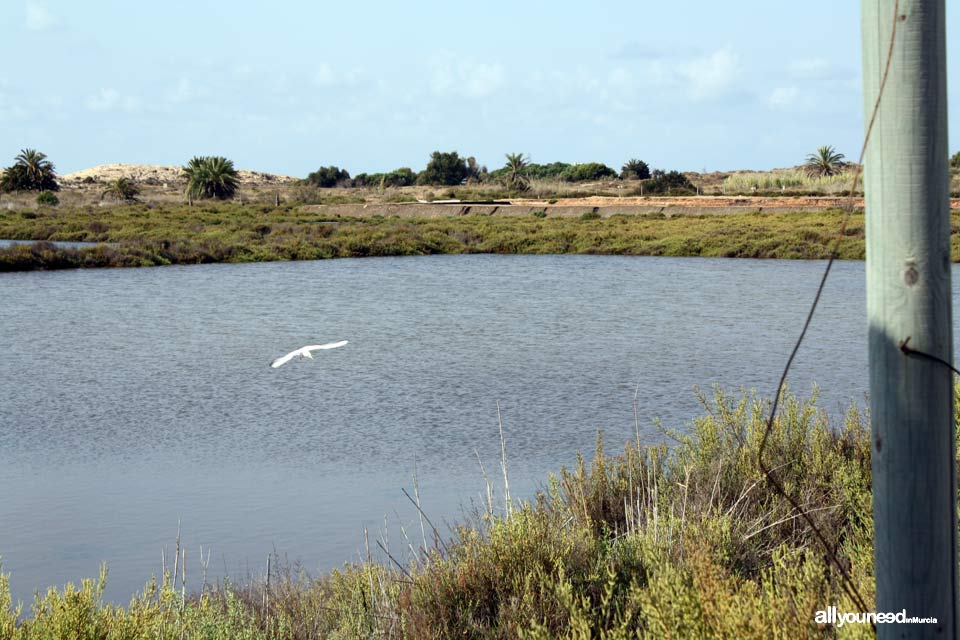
(329, 345)
(279, 362)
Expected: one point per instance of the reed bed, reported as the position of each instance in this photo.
(149, 236)
(793, 181)
(656, 541)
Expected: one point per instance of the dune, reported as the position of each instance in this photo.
(158, 174)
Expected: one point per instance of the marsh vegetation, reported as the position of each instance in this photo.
(143, 235)
(679, 541)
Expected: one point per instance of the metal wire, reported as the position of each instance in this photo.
(848, 586)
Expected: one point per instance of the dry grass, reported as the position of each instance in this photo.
(679, 542)
(256, 189)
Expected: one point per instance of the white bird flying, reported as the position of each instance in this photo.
(304, 352)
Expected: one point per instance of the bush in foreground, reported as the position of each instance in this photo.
(654, 542)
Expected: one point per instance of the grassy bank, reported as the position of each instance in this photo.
(654, 542)
(147, 236)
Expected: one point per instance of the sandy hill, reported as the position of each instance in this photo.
(154, 174)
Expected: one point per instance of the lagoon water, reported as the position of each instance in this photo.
(133, 399)
(4, 243)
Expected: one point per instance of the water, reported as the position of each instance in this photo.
(136, 398)
(57, 243)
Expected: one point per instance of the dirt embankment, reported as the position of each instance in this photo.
(604, 207)
(575, 207)
(753, 202)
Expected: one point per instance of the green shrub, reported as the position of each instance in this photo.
(312, 194)
(367, 180)
(476, 172)
(540, 213)
(590, 215)
(669, 182)
(588, 172)
(444, 168)
(402, 177)
(653, 542)
(534, 171)
(48, 199)
(327, 177)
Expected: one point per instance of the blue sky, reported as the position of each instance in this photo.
(288, 86)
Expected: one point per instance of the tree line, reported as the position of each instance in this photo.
(216, 177)
(448, 168)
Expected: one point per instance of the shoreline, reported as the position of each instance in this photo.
(642, 542)
(154, 235)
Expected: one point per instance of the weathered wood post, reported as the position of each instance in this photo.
(908, 296)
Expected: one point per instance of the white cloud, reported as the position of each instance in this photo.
(324, 75)
(38, 17)
(619, 77)
(109, 100)
(466, 78)
(183, 92)
(482, 79)
(809, 68)
(103, 100)
(710, 75)
(10, 112)
(783, 97)
(700, 77)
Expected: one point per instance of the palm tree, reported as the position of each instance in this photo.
(825, 162)
(38, 168)
(14, 178)
(635, 169)
(121, 189)
(516, 163)
(31, 171)
(211, 177)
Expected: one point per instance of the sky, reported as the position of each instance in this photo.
(291, 85)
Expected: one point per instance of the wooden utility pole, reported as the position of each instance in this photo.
(909, 297)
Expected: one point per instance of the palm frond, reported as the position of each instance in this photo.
(211, 177)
